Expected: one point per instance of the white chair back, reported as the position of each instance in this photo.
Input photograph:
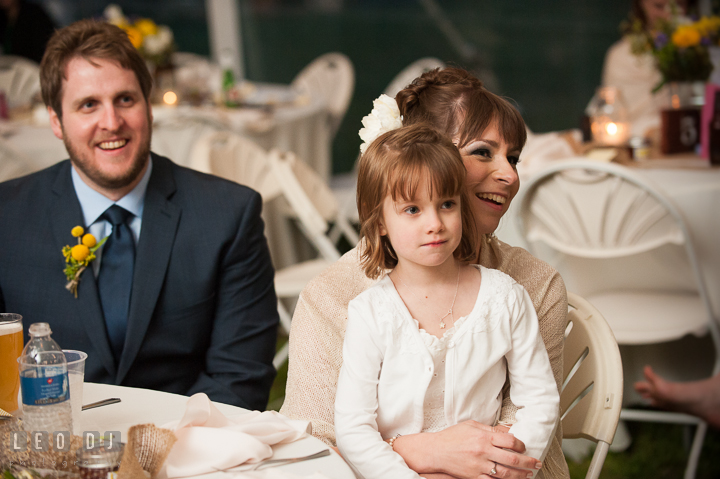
(19, 79)
(597, 212)
(332, 77)
(231, 156)
(591, 397)
(411, 72)
(308, 197)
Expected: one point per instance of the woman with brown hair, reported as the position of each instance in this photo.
(490, 134)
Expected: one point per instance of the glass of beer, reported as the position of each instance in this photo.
(11, 346)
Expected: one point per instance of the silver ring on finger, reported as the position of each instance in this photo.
(493, 471)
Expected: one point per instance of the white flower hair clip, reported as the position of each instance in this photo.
(385, 116)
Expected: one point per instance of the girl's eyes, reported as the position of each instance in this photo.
(448, 204)
(514, 160)
(412, 210)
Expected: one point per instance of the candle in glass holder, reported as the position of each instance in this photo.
(608, 132)
(608, 117)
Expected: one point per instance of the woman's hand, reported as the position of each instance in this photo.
(467, 450)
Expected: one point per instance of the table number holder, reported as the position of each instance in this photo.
(680, 130)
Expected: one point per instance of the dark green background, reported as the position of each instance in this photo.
(545, 55)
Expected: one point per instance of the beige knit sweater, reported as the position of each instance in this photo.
(318, 329)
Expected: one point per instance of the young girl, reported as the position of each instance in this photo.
(432, 342)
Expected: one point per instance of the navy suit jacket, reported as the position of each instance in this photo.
(203, 314)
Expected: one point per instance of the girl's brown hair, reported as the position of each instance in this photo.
(455, 103)
(394, 164)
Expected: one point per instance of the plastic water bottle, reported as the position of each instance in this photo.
(44, 383)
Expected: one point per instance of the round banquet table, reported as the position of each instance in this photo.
(142, 406)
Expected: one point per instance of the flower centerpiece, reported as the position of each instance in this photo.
(680, 47)
(154, 42)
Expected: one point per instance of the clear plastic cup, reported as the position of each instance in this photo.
(76, 376)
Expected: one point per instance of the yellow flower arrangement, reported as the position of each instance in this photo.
(78, 257)
(680, 47)
(154, 42)
(686, 36)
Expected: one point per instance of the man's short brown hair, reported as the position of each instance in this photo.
(87, 39)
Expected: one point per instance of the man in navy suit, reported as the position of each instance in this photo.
(199, 311)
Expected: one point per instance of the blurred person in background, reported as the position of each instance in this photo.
(699, 398)
(25, 29)
(636, 76)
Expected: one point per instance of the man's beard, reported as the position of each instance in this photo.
(102, 180)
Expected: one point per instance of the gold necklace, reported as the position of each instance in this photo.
(450, 311)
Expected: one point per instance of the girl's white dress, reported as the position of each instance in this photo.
(398, 379)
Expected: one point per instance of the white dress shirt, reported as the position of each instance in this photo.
(94, 204)
(387, 369)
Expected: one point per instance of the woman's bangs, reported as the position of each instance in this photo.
(513, 129)
(484, 108)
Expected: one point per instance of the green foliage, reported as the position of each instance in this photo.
(684, 64)
(658, 451)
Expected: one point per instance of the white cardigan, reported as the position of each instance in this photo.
(387, 368)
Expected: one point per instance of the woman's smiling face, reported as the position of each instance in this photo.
(492, 177)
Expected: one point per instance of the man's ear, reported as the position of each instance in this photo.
(55, 123)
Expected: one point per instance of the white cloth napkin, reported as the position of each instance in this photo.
(208, 441)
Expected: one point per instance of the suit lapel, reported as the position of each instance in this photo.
(65, 213)
(159, 226)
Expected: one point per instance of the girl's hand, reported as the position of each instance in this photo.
(467, 450)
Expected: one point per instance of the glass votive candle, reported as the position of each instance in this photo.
(100, 461)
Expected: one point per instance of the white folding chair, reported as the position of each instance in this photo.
(411, 72)
(19, 79)
(332, 77)
(273, 175)
(581, 215)
(592, 390)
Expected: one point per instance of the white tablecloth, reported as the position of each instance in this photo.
(143, 406)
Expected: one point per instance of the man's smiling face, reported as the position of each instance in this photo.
(106, 125)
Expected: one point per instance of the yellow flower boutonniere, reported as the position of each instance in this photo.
(78, 257)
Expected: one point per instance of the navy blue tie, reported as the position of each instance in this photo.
(116, 274)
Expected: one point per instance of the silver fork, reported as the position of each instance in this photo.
(290, 460)
(279, 462)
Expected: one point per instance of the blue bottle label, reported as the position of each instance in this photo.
(43, 391)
